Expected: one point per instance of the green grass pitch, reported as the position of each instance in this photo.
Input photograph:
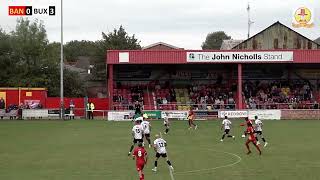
(97, 150)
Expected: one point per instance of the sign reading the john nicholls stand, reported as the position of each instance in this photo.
(256, 57)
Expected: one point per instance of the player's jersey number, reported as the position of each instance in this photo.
(139, 153)
(138, 131)
(161, 144)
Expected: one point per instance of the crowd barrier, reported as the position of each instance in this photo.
(13, 114)
(128, 115)
(55, 114)
(269, 114)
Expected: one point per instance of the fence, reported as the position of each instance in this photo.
(101, 104)
(55, 113)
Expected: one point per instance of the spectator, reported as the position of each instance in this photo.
(164, 101)
(138, 109)
(90, 109)
(169, 97)
(231, 102)
(39, 106)
(315, 105)
(159, 101)
(71, 107)
(217, 103)
(2, 103)
(221, 104)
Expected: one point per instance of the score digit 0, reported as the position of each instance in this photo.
(29, 10)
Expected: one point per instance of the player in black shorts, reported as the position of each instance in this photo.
(137, 134)
(137, 108)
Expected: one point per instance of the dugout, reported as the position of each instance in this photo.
(227, 68)
(16, 96)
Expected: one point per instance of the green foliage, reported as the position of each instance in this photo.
(214, 40)
(119, 39)
(74, 49)
(28, 60)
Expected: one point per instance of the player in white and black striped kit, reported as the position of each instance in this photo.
(147, 130)
(166, 123)
(160, 148)
(226, 124)
(258, 130)
(137, 134)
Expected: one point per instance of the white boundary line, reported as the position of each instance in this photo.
(171, 174)
(214, 168)
(170, 171)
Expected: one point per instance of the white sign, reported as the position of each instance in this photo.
(265, 114)
(123, 57)
(233, 114)
(35, 113)
(256, 57)
(175, 114)
(120, 115)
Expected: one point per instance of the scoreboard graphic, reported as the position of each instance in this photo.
(20, 8)
(29, 11)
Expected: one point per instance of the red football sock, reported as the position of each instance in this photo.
(258, 148)
(247, 145)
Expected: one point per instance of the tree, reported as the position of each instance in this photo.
(74, 49)
(28, 60)
(214, 40)
(119, 39)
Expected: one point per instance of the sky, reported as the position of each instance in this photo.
(182, 23)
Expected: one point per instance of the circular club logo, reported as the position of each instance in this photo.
(303, 17)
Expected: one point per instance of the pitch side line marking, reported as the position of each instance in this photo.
(214, 168)
(171, 174)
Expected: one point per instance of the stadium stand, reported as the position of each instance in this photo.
(279, 95)
(257, 94)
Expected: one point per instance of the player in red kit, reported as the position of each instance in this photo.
(140, 154)
(191, 117)
(251, 138)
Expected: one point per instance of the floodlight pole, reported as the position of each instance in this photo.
(61, 67)
(249, 20)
